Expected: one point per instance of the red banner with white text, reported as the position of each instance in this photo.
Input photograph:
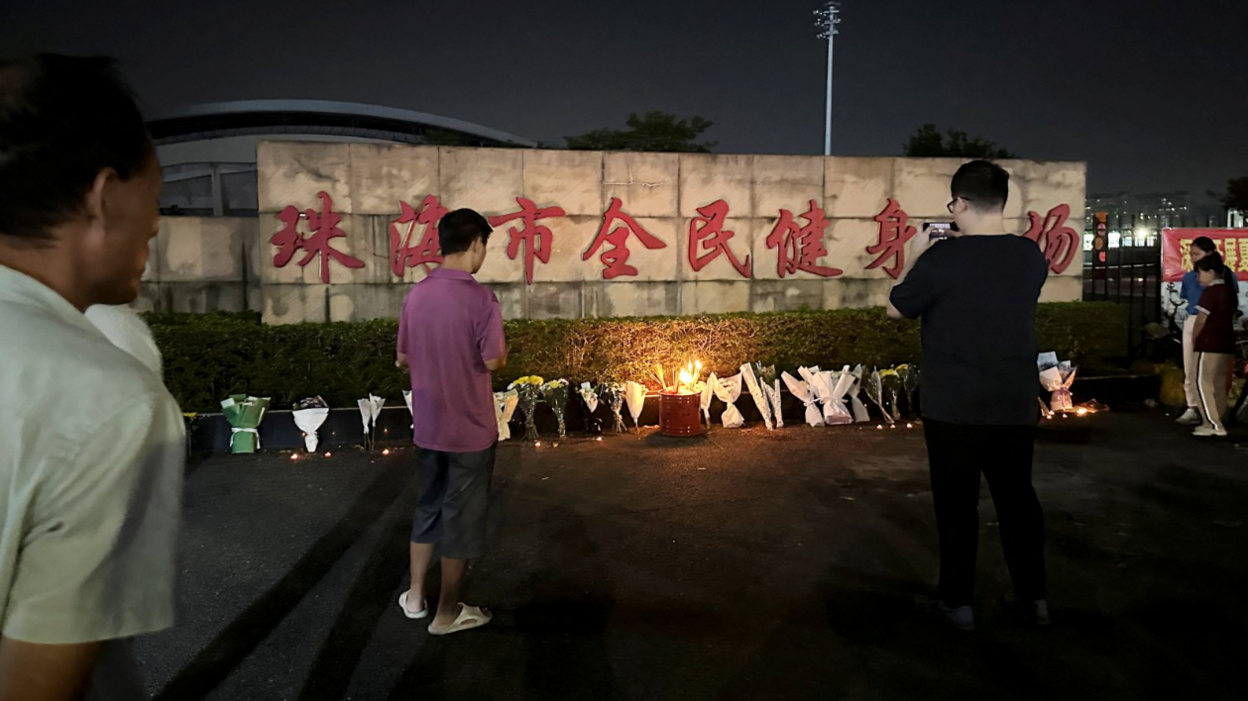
(1176, 256)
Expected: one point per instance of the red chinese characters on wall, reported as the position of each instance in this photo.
(425, 217)
(800, 248)
(895, 233)
(1058, 241)
(616, 258)
(324, 228)
(798, 240)
(536, 239)
(707, 233)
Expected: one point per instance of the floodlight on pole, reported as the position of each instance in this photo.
(826, 19)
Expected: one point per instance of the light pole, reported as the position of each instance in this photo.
(826, 19)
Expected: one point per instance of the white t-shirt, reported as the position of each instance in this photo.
(126, 329)
(92, 448)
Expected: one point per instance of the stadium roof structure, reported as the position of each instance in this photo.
(322, 117)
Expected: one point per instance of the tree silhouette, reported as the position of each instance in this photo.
(654, 131)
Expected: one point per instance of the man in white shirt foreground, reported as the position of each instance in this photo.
(91, 442)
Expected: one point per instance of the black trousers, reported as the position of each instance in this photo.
(957, 455)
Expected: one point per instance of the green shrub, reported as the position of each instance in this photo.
(211, 356)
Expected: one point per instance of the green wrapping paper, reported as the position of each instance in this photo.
(244, 414)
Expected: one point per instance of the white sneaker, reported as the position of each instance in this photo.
(1191, 417)
(1206, 432)
(959, 617)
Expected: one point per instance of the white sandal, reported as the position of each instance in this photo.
(423, 613)
(469, 617)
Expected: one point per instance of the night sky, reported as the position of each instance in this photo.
(1154, 96)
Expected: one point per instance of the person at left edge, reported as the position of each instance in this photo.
(91, 443)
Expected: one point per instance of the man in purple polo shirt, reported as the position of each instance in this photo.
(451, 338)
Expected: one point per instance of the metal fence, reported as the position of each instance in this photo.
(1129, 275)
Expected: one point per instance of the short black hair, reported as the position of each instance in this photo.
(457, 230)
(1205, 244)
(983, 184)
(1211, 263)
(63, 119)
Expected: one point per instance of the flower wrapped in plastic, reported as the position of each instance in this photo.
(708, 392)
(613, 394)
(728, 389)
(590, 396)
(770, 382)
(1057, 377)
(556, 393)
(875, 392)
(504, 408)
(244, 414)
(756, 393)
(856, 405)
(635, 397)
(309, 415)
(370, 409)
(804, 393)
(529, 390)
(910, 382)
(407, 399)
(835, 410)
(891, 390)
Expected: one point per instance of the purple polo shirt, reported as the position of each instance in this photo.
(450, 326)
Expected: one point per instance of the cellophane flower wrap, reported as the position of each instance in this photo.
(529, 388)
(891, 391)
(613, 394)
(556, 394)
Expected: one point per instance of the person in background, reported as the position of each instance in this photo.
(122, 326)
(1190, 291)
(976, 295)
(1214, 343)
(92, 444)
(451, 339)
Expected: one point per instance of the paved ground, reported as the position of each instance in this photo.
(746, 565)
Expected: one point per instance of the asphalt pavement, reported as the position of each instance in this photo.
(744, 564)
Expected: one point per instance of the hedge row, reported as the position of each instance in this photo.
(210, 356)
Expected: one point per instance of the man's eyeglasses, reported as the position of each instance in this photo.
(952, 201)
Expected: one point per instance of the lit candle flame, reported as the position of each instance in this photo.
(386, 451)
(294, 456)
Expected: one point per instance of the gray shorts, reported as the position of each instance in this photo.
(454, 500)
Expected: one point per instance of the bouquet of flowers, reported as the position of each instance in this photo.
(892, 387)
(529, 389)
(802, 390)
(635, 396)
(910, 381)
(613, 394)
(309, 414)
(407, 399)
(728, 389)
(708, 392)
(504, 408)
(370, 409)
(589, 394)
(875, 392)
(855, 401)
(556, 393)
(1057, 377)
(244, 414)
(769, 381)
(756, 392)
(835, 413)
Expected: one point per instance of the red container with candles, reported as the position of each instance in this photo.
(679, 414)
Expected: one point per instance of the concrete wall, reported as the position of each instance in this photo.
(203, 264)
(663, 192)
